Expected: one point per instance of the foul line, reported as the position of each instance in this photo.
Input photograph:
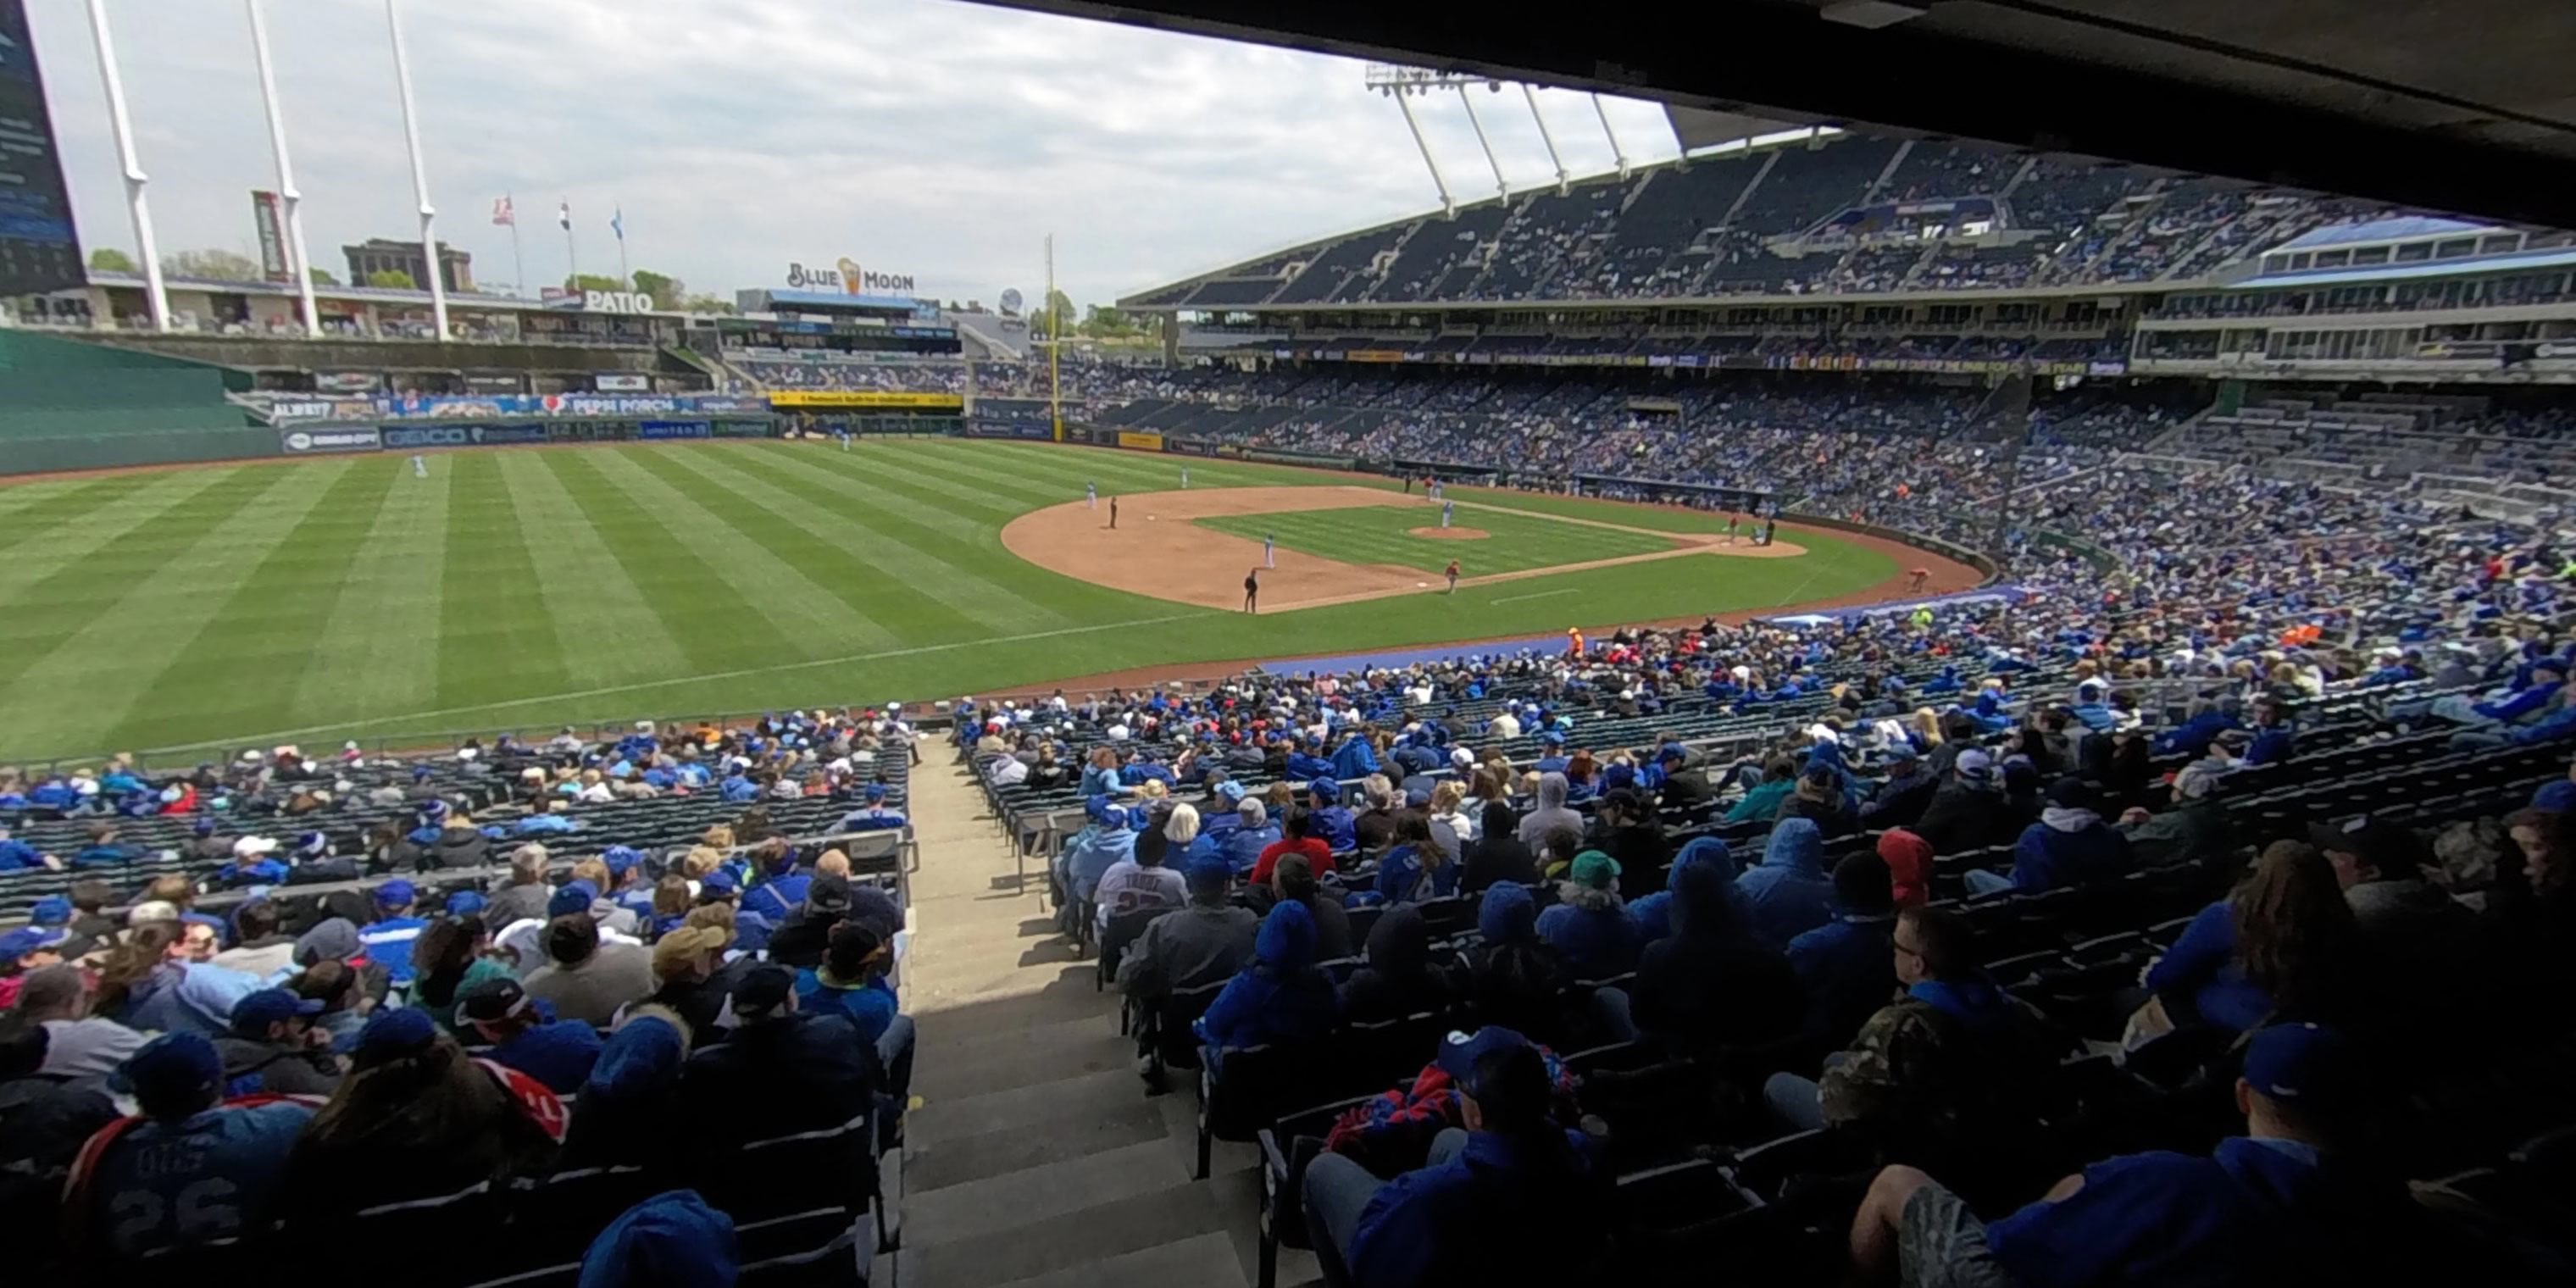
(1511, 599)
(249, 739)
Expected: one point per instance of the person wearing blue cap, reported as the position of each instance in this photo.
(779, 1070)
(189, 1171)
(1106, 839)
(1306, 761)
(1281, 995)
(1512, 1169)
(2279, 1204)
(875, 815)
(524, 1035)
(1327, 818)
(389, 937)
(671, 1240)
(271, 1048)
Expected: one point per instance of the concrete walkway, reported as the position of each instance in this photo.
(1034, 1158)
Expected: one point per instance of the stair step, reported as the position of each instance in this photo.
(1206, 1261)
(1072, 1241)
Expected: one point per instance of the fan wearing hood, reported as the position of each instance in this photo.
(1281, 996)
(1108, 838)
(1711, 983)
(1653, 913)
(1987, 713)
(2068, 846)
(1551, 813)
(1789, 893)
(1399, 978)
(1514, 977)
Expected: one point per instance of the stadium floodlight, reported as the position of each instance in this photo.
(156, 300)
(1399, 82)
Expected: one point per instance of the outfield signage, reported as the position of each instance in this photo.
(301, 409)
(612, 382)
(348, 382)
(652, 429)
(330, 440)
(499, 406)
(1134, 441)
(864, 398)
(847, 277)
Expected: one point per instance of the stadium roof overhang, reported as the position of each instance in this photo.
(2463, 106)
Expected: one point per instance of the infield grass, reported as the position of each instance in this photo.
(1383, 534)
(310, 600)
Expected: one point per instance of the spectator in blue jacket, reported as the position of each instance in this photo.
(1326, 817)
(2204, 720)
(1846, 964)
(1281, 995)
(187, 1172)
(525, 1035)
(1653, 912)
(2283, 943)
(2069, 846)
(852, 982)
(1355, 758)
(1789, 893)
(1419, 866)
(2557, 724)
(2515, 704)
(2280, 1204)
(1512, 1168)
(873, 816)
(389, 937)
(1589, 927)
(1306, 761)
(104, 850)
(2273, 742)
(17, 855)
(782, 888)
(1252, 833)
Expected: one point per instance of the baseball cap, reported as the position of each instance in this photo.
(2306, 1064)
(1328, 788)
(572, 897)
(173, 1073)
(2070, 793)
(395, 894)
(22, 941)
(1460, 1051)
(619, 858)
(829, 892)
(684, 943)
(254, 846)
(875, 792)
(394, 1034)
(256, 1011)
(335, 939)
(763, 992)
(465, 903)
(1207, 872)
(1417, 798)
(1594, 870)
(719, 881)
(1975, 764)
(1230, 789)
(493, 1000)
(52, 910)
(2384, 846)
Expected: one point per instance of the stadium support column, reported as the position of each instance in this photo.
(419, 178)
(1448, 204)
(155, 299)
(297, 263)
(1502, 186)
(1545, 137)
(1617, 153)
(2011, 404)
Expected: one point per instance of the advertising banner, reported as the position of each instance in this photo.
(866, 398)
(742, 429)
(301, 409)
(495, 384)
(1133, 441)
(652, 429)
(611, 382)
(329, 440)
(406, 437)
(504, 435)
(266, 219)
(348, 382)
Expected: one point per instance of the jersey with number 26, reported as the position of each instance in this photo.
(165, 1185)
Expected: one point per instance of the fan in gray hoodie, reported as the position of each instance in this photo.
(1551, 813)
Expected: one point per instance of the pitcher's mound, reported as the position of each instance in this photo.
(1451, 534)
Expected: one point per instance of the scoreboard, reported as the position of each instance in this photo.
(39, 248)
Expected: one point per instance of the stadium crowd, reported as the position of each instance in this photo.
(468, 984)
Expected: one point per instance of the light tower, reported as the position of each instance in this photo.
(1404, 84)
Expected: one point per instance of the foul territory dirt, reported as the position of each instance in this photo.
(1155, 549)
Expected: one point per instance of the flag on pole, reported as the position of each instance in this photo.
(503, 215)
(617, 223)
(563, 215)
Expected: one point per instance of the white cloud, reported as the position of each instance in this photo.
(924, 136)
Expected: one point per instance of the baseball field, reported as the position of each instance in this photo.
(311, 600)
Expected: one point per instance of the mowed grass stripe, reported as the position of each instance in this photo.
(598, 613)
(781, 526)
(900, 549)
(92, 677)
(729, 600)
(1074, 601)
(1031, 489)
(389, 598)
(262, 637)
(87, 564)
(493, 632)
(31, 509)
(995, 496)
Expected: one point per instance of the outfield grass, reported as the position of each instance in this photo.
(311, 600)
(1384, 535)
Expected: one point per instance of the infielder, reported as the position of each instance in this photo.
(1447, 509)
(1185, 478)
(1091, 494)
(1269, 551)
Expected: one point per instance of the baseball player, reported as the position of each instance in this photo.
(1113, 514)
(1185, 478)
(1091, 494)
(420, 467)
(1269, 551)
(1447, 510)
(1252, 591)
(1453, 576)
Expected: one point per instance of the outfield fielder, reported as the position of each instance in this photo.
(419, 467)
(1185, 478)
(1269, 552)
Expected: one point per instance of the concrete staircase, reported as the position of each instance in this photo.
(1034, 1159)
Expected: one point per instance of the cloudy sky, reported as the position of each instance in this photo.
(930, 137)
